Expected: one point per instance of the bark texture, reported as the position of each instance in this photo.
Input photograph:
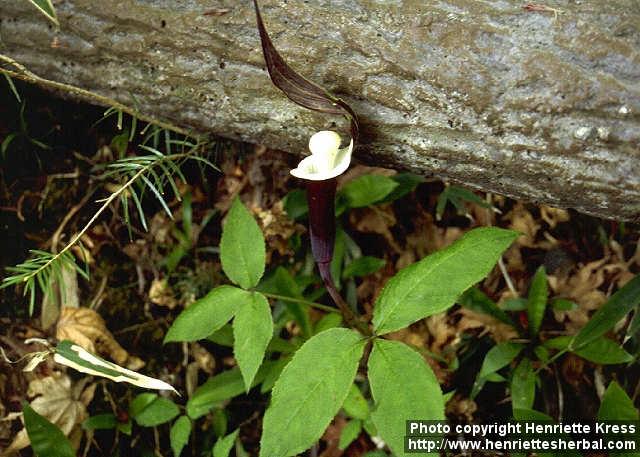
(539, 105)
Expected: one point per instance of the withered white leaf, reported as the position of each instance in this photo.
(76, 357)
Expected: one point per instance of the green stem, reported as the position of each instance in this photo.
(348, 315)
(311, 304)
(552, 359)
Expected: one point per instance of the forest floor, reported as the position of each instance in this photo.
(52, 174)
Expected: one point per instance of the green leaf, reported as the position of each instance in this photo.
(6, 143)
(349, 433)
(448, 396)
(179, 435)
(616, 405)
(604, 351)
(559, 342)
(368, 189)
(140, 402)
(537, 301)
(494, 377)
(355, 404)
(542, 353)
(634, 325)
(363, 266)
(106, 421)
(13, 89)
(515, 304)
(406, 183)
(339, 250)
(531, 415)
(242, 249)
(47, 440)
(620, 303)
(125, 427)
(329, 320)
(208, 314)
(46, 8)
(476, 300)
(252, 331)
(523, 385)
(274, 373)
(457, 196)
(223, 336)
(561, 304)
(499, 356)
(219, 388)
(315, 383)
(403, 387)
(155, 412)
(295, 204)
(223, 445)
(219, 422)
(375, 454)
(281, 282)
(432, 285)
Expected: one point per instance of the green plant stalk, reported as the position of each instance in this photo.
(555, 357)
(348, 315)
(311, 304)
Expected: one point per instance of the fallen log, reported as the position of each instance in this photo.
(538, 102)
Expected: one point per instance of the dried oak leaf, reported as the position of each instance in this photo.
(499, 331)
(86, 328)
(583, 289)
(278, 228)
(462, 407)
(161, 294)
(553, 216)
(522, 220)
(375, 220)
(62, 403)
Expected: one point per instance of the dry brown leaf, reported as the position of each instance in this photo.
(331, 437)
(443, 334)
(462, 407)
(62, 403)
(499, 331)
(86, 328)
(582, 288)
(160, 228)
(553, 216)
(161, 294)
(430, 239)
(619, 268)
(378, 220)
(203, 358)
(522, 221)
(277, 228)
